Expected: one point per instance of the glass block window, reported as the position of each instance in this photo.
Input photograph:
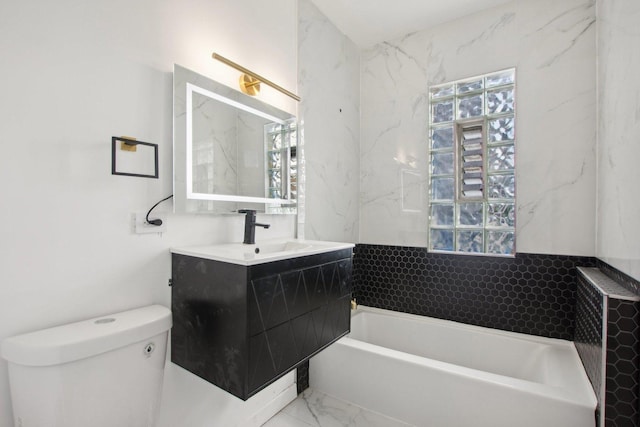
(281, 161)
(472, 165)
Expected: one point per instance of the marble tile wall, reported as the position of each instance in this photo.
(329, 85)
(619, 135)
(552, 46)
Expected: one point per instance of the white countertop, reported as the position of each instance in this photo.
(261, 252)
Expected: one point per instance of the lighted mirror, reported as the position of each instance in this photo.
(231, 151)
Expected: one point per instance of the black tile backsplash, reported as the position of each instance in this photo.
(588, 339)
(624, 280)
(607, 340)
(530, 293)
(302, 376)
(623, 365)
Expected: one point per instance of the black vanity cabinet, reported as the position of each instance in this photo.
(242, 327)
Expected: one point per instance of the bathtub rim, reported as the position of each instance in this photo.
(580, 393)
(460, 325)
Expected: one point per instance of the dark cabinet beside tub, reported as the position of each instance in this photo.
(243, 327)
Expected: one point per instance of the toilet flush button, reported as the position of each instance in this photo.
(105, 320)
(149, 348)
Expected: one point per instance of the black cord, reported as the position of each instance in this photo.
(157, 222)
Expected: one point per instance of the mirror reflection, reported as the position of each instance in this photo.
(231, 151)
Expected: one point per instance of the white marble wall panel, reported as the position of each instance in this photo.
(552, 45)
(618, 237)
(329, 84)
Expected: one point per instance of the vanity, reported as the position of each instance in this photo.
(245, 315)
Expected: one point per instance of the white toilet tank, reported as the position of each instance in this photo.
(102, 372)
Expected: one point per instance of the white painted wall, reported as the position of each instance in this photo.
(74, 74)
(618, 237)
(552, 45)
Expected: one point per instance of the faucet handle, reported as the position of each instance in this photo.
(246, 211)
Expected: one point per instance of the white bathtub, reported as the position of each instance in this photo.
(435, 373)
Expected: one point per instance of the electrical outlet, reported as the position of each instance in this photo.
(140, 225)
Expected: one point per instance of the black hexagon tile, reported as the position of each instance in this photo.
(608, 314)
(531, 293)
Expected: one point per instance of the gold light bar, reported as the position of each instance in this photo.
(254, 75)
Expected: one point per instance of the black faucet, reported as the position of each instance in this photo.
(250, 225)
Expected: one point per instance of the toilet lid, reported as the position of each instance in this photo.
(66, 343)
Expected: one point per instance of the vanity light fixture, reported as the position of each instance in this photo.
(250, 81)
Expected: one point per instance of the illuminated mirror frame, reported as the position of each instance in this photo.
(191, 88)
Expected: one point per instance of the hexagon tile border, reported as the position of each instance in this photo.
(530, 293)
(607, 337)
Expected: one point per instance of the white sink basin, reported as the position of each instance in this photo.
(290, 245)
(267, 251)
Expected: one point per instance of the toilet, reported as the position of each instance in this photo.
(102, 372)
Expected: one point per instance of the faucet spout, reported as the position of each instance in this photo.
(250, 225)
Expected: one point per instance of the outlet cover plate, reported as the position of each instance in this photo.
(140, 225)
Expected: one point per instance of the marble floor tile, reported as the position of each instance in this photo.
(316, 409)
(283, 420)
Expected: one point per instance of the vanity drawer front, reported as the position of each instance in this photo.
(275, 299)
(275, 352)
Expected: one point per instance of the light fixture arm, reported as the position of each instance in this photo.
(254, 75)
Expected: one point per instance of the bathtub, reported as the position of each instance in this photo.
(435, 373)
